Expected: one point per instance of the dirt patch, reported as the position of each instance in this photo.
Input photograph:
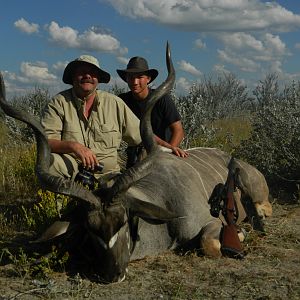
(270, 270)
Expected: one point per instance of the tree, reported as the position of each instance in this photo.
(34, 103)
(274, 145)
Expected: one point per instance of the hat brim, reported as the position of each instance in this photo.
(151, 73)
(103, 77)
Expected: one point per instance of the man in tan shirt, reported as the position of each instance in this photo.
(86, 125)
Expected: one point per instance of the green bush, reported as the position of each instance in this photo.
(33, 264)
(207, 102)
(34, 103)
(44, 211)
(274, 144)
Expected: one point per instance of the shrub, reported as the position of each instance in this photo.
(208, 101)
(33, 103)
(274, 145)
(44, 211)
(117, 90)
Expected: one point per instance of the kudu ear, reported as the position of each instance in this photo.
(56, 229)
(149, 212)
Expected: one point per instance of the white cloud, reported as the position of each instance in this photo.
(274, 44)
(31, 75)
(12, 88)
(123, 60)
(245, 64)
(24, 26)
(200, 44)
(241, 41)
(276, 67)
(66, 36)
(60, 66)
(248, 29)
(36, 72)
(89, 40)
(261, 45)
(189, 68)
(101, 42)
(297, 46)
(220, 69)
(252, 53)
(205, 15)
(182, 85)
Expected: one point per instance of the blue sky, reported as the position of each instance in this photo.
(249, 38)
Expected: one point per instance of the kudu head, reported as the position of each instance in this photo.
(114, 230)
(108, 211)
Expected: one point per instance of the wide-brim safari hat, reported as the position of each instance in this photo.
(138, 65)
(103, 76)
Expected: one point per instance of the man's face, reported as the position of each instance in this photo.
(138, 83)
(85, 79)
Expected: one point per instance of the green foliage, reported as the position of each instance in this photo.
(34, 265)
(17, 150)
(45, 211)
(117, 90)
(3, 133)
(17, 165)
(26, 163)
(37, 217)
(34, 103)
(207, 102)
(227, 134)
(274, 145)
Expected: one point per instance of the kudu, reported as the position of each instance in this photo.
(160, 203)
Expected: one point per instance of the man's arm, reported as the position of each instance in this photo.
(52, 122)
(177, 135)
(84, 154)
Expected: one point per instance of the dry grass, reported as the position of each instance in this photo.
(270, 270)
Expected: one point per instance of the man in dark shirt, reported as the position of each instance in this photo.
(165, 119)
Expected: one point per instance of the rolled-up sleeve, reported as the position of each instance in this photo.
(52, 119)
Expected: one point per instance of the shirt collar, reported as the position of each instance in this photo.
(79, 103)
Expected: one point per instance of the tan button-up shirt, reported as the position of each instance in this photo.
(109, 122)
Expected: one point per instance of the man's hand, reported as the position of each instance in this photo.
(83, 153)
(175, 150)
(86, 155)
(179, 152)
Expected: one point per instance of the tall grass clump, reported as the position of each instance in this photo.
(17, 148)
(16, 167)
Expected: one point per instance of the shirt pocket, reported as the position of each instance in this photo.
(107, 135)
(71, 133)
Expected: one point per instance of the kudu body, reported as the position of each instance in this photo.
(160, 203)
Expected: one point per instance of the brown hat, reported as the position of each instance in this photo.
(69, 70)
(138, 65)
